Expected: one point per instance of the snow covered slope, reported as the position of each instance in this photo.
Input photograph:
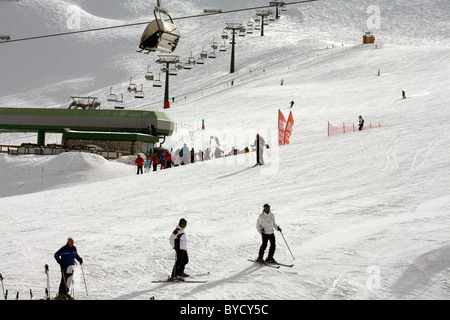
(365, 214)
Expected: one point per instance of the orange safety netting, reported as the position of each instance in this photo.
(332, 130)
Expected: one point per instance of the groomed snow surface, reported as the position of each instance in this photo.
(365, 214)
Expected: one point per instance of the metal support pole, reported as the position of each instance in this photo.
(166, 92)
(232, 53)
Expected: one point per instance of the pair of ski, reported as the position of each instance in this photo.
(169, 280)
(275, 265)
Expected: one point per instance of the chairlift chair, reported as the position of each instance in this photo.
(191, 60)
(223, 47)
(157, 82)
(173, 71)
(149, 75)
(203, 54)
(200, 61)
(160, 35)
(187, 66)
(139, 94)
(111, 97)
(212, 54)
(132, 87)
(119, 103)
(224, 35)
(250, 30)
(214, 44)
(179, 66)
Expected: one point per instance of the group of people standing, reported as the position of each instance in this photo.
(164, 160)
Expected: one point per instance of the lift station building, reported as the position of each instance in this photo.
(133, 131)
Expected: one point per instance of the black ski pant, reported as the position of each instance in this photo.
(139, 169)
(66, 279)
(265, 239)
(182, 260)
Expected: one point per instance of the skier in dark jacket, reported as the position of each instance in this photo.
(66, 259)
(360, 123)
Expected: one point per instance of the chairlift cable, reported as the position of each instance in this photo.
(145, 23)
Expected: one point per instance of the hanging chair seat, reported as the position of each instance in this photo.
(161, 36)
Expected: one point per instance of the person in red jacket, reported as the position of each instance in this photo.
(139, 162)
(168, 159)
(154, 161)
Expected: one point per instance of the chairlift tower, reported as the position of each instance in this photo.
(277, 4)
(235, 28)
(263, 14)
(167, 60)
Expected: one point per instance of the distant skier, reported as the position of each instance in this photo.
(259, 144)
(139, 162)
(282, 81)
(66, 259)
(360, 123)
(185, 155)
(403, 94)
(292, 104)
(266, 226)
(192, 155)
(147, 165)
(178, 242)
(168, 159)
(154, 161)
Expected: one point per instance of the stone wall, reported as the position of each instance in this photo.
(132, 147)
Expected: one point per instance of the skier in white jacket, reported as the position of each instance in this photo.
(178, 242)
(266, 226)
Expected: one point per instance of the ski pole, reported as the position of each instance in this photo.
(48, 283)
(287, 245)
(3, 288)
(84, 279)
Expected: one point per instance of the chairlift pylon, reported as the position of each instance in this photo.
(160, 35)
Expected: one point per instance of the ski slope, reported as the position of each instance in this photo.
(365, 214)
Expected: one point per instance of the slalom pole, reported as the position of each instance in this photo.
(287, 245)
(84, 279)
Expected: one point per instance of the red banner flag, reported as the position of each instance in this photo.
(281, 124)
(288, 130)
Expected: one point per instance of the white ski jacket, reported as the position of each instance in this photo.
(266, 223)
(178, 240)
